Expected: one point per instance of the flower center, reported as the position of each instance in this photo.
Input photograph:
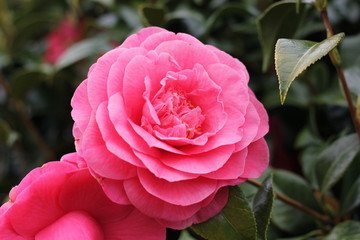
(178, 117)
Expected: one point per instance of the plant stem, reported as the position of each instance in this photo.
(325, 219)
(20, 109)
(337, 64)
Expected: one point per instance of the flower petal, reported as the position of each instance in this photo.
(96, 154)
(136, 39)
(63, 228)
(117, 70)
(264, 118)
(188, 54)
(228, 60)
(43, 199)
(257, 160)
(114, 143)
(79, 188)
(204, 214)
(135, 227)
(162, 171)
(182, 193)
(142, 141)
(232, 169)
(201, 163)
(97, 78)
(81, 107)
(155, 207)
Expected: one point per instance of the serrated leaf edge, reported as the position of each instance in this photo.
(337, 37)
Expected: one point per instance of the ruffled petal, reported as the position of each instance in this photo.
(64, 228)
(39, 200)
(204, 214)
(79, 188)
(160, 170)
(234, 63)
(155, 207)
(97, 78)
(232, 169)
(264, 118)
(136, 39)
(201, 163)
(81, 107)
(114, 190)
(181, 193)
(141, 141)
(233, 86)
(99, 159)
(250, 127)
(135, 226)
(257, 160)
(114, 143)
(188, 54)
(115, 79)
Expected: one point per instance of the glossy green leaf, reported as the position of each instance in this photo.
(235, 222)
(262, 206)
(352, 199)
(352, 76)
(280, 20)
(153, 16)
(286, 217)
(294, 186)
(338, 156)
(349, 230)
(82, 50)
(292, 57)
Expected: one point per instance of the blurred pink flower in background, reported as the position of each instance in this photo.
(62, 201)
(66, 33)
(165, 123)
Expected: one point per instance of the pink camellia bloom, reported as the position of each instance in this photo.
(166, 123)
(62, 201)
(61, 38)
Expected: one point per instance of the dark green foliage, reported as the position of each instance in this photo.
(314, 151)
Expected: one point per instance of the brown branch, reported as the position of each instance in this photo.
(20, 109)
(336, 61)
(325, 219)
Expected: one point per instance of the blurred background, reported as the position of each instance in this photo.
(46, 48)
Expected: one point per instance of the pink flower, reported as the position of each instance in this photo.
(61, 201)
(62, 37)
(166, 123)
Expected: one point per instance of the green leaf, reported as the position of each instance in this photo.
(352, 76)
(81, 50)
(349, 230)
(235, 222)
(338, 156)
(286, 217)
(352, 199)
(185, 235)
(153, 16)
(307, 236)
(350, 51)
(292, 57)
(294, 186)
(262, 206)
(226, 10)
(280, 20)
(25, 80)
